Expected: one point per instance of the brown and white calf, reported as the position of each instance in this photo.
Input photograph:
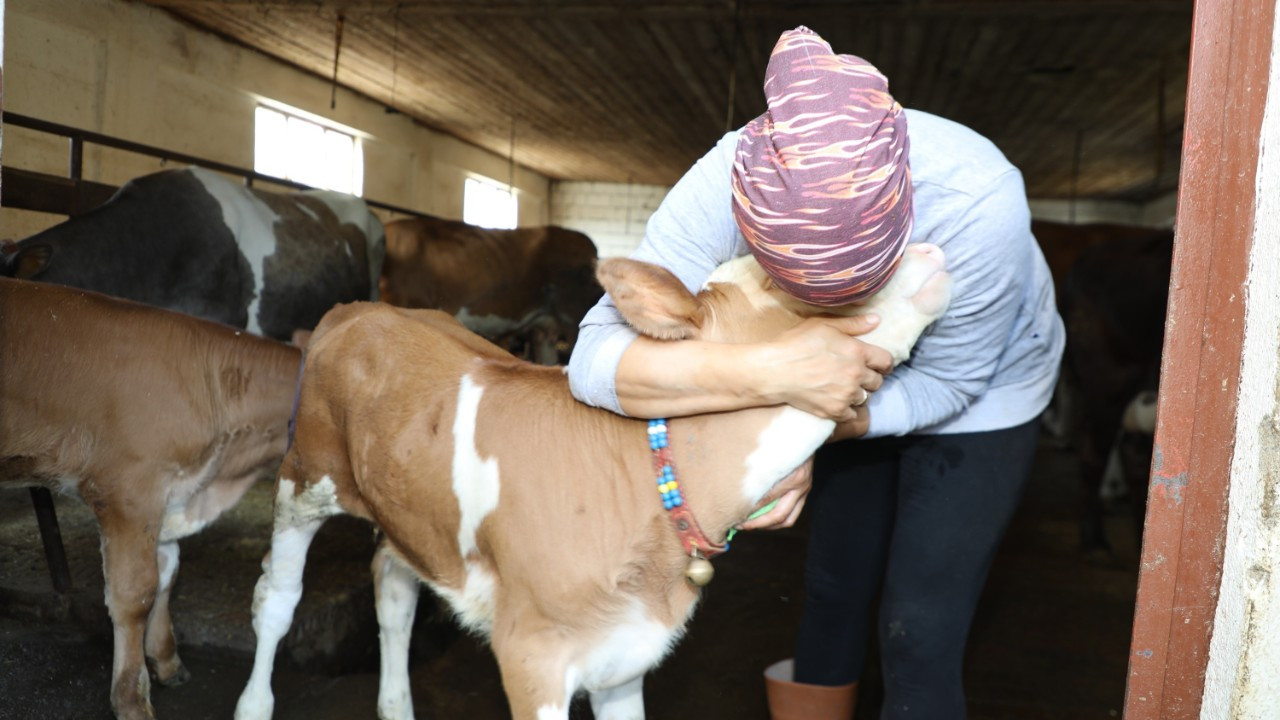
(534, 516)
(158, 420)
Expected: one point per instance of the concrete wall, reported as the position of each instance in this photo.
(133, 71)
(1242, 680)
(612, 214)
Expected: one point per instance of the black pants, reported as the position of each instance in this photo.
(914, 521)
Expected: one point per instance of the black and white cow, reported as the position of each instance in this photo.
(191, 240)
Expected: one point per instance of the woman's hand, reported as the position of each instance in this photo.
(823, 369)
(790, 493)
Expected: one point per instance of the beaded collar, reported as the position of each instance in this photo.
(692, 538)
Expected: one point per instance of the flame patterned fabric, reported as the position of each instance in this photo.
(821, 182)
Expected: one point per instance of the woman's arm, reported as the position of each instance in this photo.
(819, 367)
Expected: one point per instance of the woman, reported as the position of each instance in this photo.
(826, 188)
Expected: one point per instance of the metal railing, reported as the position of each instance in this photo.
(78, 138)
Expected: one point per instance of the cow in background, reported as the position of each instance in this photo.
(158, 420)
(535, 516)
(190, 240)
(1113, 303)
(529, 286)
(1062, 245)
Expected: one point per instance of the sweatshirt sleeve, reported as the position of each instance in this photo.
(691, 233)
(989, 247)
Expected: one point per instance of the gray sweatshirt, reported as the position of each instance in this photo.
(990, 363)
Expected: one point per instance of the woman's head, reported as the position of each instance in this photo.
(821, 183)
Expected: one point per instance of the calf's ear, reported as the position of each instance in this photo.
(651, 299)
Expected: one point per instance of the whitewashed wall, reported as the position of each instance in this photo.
(611, 214)
(133, 71)
(1242, 681)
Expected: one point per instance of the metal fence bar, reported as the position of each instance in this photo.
(79, 137)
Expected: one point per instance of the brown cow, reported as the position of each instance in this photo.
(534, 516)
(530, 285)
(158, 420)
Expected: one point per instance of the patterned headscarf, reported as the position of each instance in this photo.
(821, 184)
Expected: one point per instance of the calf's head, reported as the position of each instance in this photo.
(740, 303)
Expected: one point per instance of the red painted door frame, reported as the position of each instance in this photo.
(1185, 532)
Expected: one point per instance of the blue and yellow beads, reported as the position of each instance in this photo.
(667, 485)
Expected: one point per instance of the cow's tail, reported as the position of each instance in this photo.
(377, 254)
(297, 396)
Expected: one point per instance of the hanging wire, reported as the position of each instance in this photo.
(395, 56)
(733, 65)
(511, 158)
(1075, 174)
(1160, 129)
(626, 228)
(337, 50)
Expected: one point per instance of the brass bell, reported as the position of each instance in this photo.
(699, 572)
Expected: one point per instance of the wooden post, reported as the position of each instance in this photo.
(1182, 549)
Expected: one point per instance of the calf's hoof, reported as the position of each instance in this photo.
(138, 710)
(170, 674)
(132, 700)
(178, 678)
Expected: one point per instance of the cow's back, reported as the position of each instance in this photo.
(328, 248)
(76, 368)
(424, 417)
(193, 241)
(375, 416)
(447, 265)
(161, 240)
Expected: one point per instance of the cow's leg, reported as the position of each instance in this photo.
(275, 597)
(625, 702)
(395, 589)
(1098, 437)
(129, 566)
(543, 341)
(538, 681)
(162, 649)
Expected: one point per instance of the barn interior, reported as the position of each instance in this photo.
(586, 112)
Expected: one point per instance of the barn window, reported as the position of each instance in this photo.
(295, 148)
(488, 203)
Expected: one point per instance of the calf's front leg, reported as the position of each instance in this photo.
(536, 676)
(624, 702)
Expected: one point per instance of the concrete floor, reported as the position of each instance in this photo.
(1050, 641)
